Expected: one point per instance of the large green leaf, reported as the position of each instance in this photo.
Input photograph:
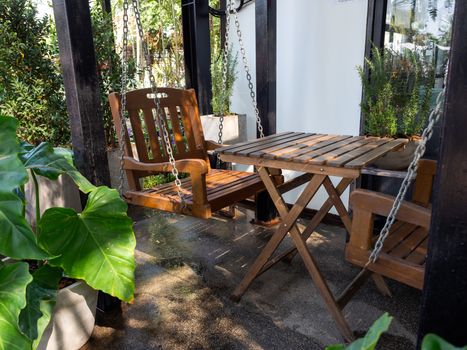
(52, 162)
(368, 342)
(96, 245)
(16, 237)
(14, 278)
(41, 296)
(434, 342)
(12, 172)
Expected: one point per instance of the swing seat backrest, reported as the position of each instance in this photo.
(404, 251)
(179, 115)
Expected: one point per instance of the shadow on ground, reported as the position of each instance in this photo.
(188, 267)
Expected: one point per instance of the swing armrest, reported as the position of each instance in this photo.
(365, 204)
(191, 166)
(212, 146)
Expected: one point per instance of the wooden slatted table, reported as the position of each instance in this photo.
(318, 156)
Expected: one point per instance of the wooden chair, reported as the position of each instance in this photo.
(206, 190)
(405, 249)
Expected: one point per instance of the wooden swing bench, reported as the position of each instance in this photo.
(405, 249)
(206, 190)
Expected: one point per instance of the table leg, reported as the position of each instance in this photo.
(322, 286)
(287, 225)
(311, 227)
(336, 201)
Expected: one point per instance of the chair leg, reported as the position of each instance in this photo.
(381, 285)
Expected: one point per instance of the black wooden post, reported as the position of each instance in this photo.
(106, 6)
(266, 58)
(375, 28)
(444, 300)
(197, 51)
(266, 28)
(78, 61)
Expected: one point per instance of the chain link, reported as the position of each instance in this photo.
(159, 114)
(123, 127)
(233, 10)
(224, 104)
(162, 124)
(411, 174)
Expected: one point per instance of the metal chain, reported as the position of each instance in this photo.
(225, 57)
(123, 129)
(152, 80)
(411, 174)
(234, 11)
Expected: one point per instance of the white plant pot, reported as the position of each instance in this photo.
(234, 130)
(61, 193)
(113, 158)
(73, 318)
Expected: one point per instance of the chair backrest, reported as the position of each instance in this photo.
(180, 115)
(423, 185)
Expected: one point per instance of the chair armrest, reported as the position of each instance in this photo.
(381, 204)
(191, 166)
(211, 145)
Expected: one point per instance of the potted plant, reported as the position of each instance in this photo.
(397, 100)
(93, 250)
(234, 129)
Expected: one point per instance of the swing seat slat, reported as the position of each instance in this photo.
(206, 190)
(404, 251)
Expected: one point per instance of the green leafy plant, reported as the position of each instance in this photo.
(369, 341)
(31, 88)
(96, 245)
(397, 93)
(108, 65)
(381, 325)
(222, 92)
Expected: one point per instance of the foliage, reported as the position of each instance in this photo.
(222, 92)
(152, 181)
(381, 325)
(397, 93)
(368, 342)
(96, 245)
(31, 89)
(162, 21)
(109, 65)
(435, 342)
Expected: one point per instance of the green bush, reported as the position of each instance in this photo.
(397, 93)
(222, 92)
(31, 88)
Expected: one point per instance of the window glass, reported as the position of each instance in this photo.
(422, 27)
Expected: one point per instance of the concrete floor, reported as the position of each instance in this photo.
(187, 268)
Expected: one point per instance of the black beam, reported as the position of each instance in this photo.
(78, 62)
(106, 6)
(266, 66)
(266, 62)
(375, 28)
(79, 69)
(197, 51)
(444, 299)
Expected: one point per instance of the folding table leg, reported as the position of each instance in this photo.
(311, 227)
(287, 225)
(302, 248)
(336, 200)
(322, 286)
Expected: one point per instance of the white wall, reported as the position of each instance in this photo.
(319, 45)
(241, 100)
